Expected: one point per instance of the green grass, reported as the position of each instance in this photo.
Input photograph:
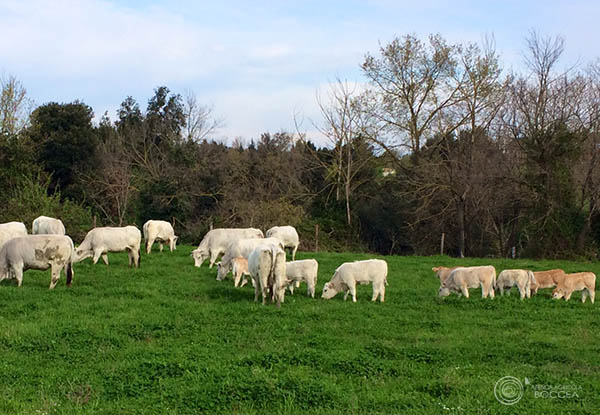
(169, 339)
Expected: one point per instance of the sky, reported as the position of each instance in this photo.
(259, 64)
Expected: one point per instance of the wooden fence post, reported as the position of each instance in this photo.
(442, 244)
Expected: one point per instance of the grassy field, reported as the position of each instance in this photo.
(169, 339)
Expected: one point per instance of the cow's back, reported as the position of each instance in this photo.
(11, 230)
(34, 250)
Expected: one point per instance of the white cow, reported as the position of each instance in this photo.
(243, 248)
(159, 231)
(99, 241)
(302, 270)
(463, 278)
(523, 279)
(363, 272)
(266, 264)
(44, 225)
(37, 252)
(11, 230)
(216, 241)
(287, 235)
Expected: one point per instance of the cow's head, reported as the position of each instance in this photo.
(222, 270)
(199, 257)
(81, 254)
(558, 293)
(444, 291)
(329, 291)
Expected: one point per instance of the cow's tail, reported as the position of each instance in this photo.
(139, 261)
(271, 279)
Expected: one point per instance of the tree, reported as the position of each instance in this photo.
(64, 140)
(199, 119)
(14, 106)
(412, 83)
(344, 122)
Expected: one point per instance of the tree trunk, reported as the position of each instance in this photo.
(460, 213)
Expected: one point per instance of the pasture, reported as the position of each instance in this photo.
(169, 339)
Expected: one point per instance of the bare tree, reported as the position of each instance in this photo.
(200, 120)
(344, 121)
(412, 83)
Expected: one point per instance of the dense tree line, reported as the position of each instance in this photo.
(440, 141)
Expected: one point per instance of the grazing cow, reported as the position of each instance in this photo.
(287, 235)
(99, 241)
(11, 230)
(580, 281)
(239, 268)
(302, 270)
(216, 241)
(523, 279)
(159, 231)
(37, 252)
(363, 272)
(43, 225)
(463, 278)
(266, 264)
(546, 279)
(442, 272)
(243, 248)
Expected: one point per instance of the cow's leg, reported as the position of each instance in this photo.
(521, 291)
(592, 294)
(465, 290)
(135, 255)
(18, 273)
(291, 287)
(213, 258)
(55, 275)
(160, 246)
(346, 292)
(502, 290)
(256, 290)
(584, 294)
(294, 249)
(105, 258)
(352, 288)
(96, 257)
(382, 293)
(149, 243)
(376, 291)
(568, 295)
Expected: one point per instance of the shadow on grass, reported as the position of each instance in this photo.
(231, 293)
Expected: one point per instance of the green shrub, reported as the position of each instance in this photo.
(30, 199)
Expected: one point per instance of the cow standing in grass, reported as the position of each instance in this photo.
(99, 241)
(302, 270)
(546, 279)
(161, 232)
(348, 274)
(37, 252)
(216, 241)
(508, 278)
(287, 235)
(266, 264)
(463, 278)
(580, 281)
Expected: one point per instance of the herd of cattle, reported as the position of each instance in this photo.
(245, 253)
(460, 279)
(249, 255)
